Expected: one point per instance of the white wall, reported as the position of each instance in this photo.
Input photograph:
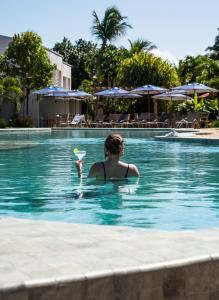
(75, 107)
(51, 106)
(62, 74)
(61, 77)
(4, 41)
(34, 109)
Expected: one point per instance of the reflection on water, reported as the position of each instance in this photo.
(108, 195)
(178, 188)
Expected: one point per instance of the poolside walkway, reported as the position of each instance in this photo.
(210, 133)
(52, 260)
(205, 135)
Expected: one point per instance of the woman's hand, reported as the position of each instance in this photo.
(79, 167)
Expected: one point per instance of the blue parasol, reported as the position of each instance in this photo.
(149, 89)
(78, 93)
(49, 90)
(117, 93)
(171, 96)
(194, 87)
(71, 94)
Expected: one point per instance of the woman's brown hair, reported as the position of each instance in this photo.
(114, 144)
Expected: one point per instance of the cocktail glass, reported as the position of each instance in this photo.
(80, 154)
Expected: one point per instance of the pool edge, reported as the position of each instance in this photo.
(167, 279)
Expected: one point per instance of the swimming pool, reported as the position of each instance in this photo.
(178, 188)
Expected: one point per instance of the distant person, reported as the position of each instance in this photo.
(112, 167)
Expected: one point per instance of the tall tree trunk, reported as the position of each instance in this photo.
(27, 100)
(218, 105)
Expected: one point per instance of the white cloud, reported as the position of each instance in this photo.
(166, 55)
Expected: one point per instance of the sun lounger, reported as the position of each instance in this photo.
(147, 120)
(98, 121)
(192, 120)
(162, 121)
(124, 120)
(113, 120)
(77, 120)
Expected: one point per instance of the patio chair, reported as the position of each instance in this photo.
(123, 120)
(161, 122)
(143, 118)
(77, 120)
(113, 120)
(147, 120)
(51, 120)
(63, 120)
(114, 117)
(98, 122)
(192, 120)
(151, 121)
(169, 119)
(134, 121)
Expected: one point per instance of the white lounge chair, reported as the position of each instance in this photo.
(77, 120)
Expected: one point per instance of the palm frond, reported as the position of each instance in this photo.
(140, 45)
(112, 25)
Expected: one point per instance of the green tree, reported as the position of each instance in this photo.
(10, 89)
(214, 50)
(81, 59)
(186, 70)
(145, 68)
(140, 45)
(199, 68)
(110, 27)
(81, 56)
(111, 58)
(26, 59)
(65, 48)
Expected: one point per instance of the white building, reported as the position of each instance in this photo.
(45, 108)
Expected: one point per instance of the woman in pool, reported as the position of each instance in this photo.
(112, 167)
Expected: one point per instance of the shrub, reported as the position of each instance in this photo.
(23, 122)
(145, 68)
(2, 123)
(214, 123)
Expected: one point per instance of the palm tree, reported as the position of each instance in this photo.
(140, 45)
(214, 50)
(10, 89)
(111, 27)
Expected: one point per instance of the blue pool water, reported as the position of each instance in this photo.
(178, 188)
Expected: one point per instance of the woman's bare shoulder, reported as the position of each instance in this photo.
(133, 170)
(95, 169)
(97, 165)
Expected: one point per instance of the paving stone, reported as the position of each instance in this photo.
(32, 251)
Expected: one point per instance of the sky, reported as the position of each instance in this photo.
(177, 27)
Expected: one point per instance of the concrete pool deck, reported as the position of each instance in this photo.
(25, 130)
(208, 136)
(52, 260)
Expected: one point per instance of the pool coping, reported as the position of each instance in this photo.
(52, 129)
(59, 256)
(22, 130)
(190, 138)
(122, 129)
